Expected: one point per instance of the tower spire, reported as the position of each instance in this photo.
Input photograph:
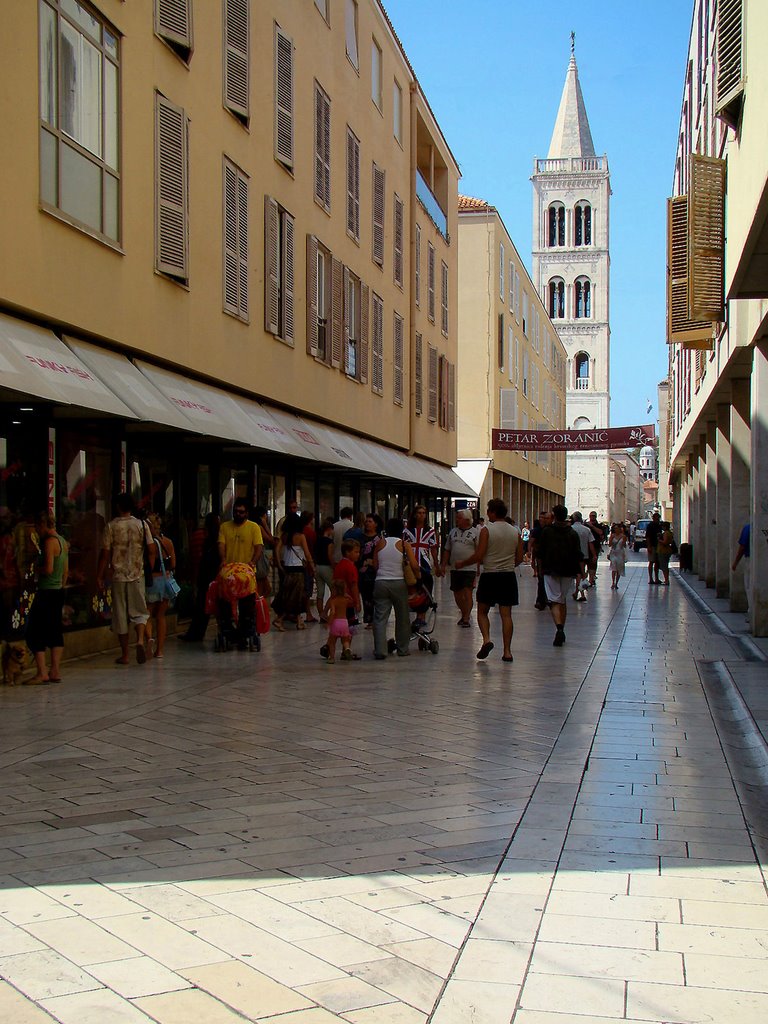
(571, 136)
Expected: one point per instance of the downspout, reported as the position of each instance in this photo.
(412, 274)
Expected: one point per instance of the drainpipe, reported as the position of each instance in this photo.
(412, 274)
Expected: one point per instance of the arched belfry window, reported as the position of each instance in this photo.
(556, 298)
(555, 225)
(582, 224)
(581, 423)
(582, 298)
(582, 371)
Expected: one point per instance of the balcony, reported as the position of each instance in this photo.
(431, 206)
(582, 383)
(571, 165)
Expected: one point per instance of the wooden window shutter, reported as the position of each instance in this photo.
(337, 311)
(397, 382)
(287, 277)
(730, 61)
(680, 328)
(173, 23)
(501, 341)
(444, 298)
(431, 281)
(507, 409)
(443, 392)
(417, 266)
(271, 266)
(353, 185)
(235, 241)
(706, 239)
(242, 241)
(236, 57)
(347, 326)
(363, 356)
(172, 168)
(377, 365)
(283, 97)
(397, 261)
(432, 384)
(419, 376)
(322, 148)
(312, 337)
(379, 182)
(451, 396)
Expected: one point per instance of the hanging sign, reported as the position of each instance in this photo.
(572, 440)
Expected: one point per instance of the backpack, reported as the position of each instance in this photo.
(560, 551)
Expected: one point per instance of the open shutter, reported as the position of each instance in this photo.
(236, 57)
(730, 61)
(337, 311)
(173, 22)
(397, 261)
(271, 267)
(283, 97)
(418, 382)
(346, 325)
(231, 258)
(451, 396)
(363, 347)
(444, 298)
(377, 362)
(353, 185)
(322, 148)
(417, 266)
(171, 158)
(378, 215)
(311, 295)
(431, 281)
(242, 242)
(397, 382)
(432, 383)
(706, 239)
(287, 282)
(680, 328)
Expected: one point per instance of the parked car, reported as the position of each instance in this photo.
(640, 528)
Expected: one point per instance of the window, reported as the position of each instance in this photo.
(535, 388)
(444, 298)
(319, 292)
(582, 224)
(502, 266)
(556, 298)
(582, 371)
(377, 367)
(501, 341)
(582, 298)
(350, 23)
(511, 352)
(451, 396)
(278, 275)
(525, 374)
(507, 409)
(397, 360)
(525, 313)
(376, 66)
(517, 296)
(322, 148)
(353, 185)
(432, 384)
(417, 268)
(511, 287)
(555, 225)
(397, 112)
(173, 23)
(517, 362)
(536, 331)
(379, 199)
(171, 190)
(525, 428)
(444, 392)
(283, 98)
(352, 304)
(322, 6)
(79, 69)
(419, 376)
(235, 241)
(431, 281)
(236, 58)
(397, 262)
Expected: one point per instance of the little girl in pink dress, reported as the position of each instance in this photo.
(338, 626)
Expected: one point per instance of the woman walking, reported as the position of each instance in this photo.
(157, 596)
(423, 539)
(366, 568)
(308, 529)
(390, 590)
(293, 559)
(44, 627)
(617, 553)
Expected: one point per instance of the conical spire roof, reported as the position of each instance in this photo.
(571, 136)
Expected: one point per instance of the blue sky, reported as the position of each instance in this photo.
(493, 72)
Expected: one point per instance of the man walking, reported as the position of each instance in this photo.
(240, 540)
(125, 541)
(588, 551)
(340, 527)
(499, 550)
(560, 551)
(545, 519)
(652, 534)
(461, 543)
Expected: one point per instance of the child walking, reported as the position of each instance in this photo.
(338, 626)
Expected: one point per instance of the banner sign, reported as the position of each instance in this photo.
(572, 440)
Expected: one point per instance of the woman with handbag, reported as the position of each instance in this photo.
(392, 558)
(164, 587)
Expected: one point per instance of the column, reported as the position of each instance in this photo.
(701, 567)
(758, 569)
(710, 525)
(693, 509)
(740, 485)
(723, 506)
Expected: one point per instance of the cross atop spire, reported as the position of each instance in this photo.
(571, 136)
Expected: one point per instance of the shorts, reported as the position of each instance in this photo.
(156, 593)
(557, 588)
(497, 588)
(339, 627)
(128, 605)
(462, 580)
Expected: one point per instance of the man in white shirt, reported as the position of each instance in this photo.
(461, 543)
(340, 527)
(588, 551)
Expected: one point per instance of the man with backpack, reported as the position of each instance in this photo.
(559, 549)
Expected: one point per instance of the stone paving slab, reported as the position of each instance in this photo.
(269, 838)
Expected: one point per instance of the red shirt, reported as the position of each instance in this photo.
(347, 570)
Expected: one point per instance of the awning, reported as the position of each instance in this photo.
(34, 362)
(293, 434)
(474, 472)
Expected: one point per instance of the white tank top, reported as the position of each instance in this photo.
(293, 556)
(390, 561)
(503, 539)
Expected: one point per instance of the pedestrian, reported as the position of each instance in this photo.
(499, 551)
(293, 559)
(127, 543)
(240, 540)
(308, 529)
(335, 613)
(156, 594)
(617, 554)
(526, 534)
(423, 539)
(365, 567)
(44, 625)
(323, 555)
(561, 560)
(665, 547)
(598, 534)
(264, 564)
(652, 534)
(742, 552)
(207, 570)
(346, 570)
(357, 529)
(390, 590)
(545, 519)
(589, 554)
(461, 543)
(340, 527)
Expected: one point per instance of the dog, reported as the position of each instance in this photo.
(14, 662)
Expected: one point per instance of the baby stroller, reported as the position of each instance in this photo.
(237, 624)
(420, 601)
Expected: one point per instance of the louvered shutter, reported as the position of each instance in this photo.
(444, 298)
(347, 326)
(680, 328)
(443, 391)
(397, 382)
(236, 57)
(451, 396)
(377, 366)
(353, 185)
(363, 356)
(242, 242)
(231, 257)
(431, 281)
(397, 261)
(337, 311)
(500, 340)
(283, 97)
(311, 295)
(271, 266)
(378, 215)
(730, 61)
(417, 266)
(322, 148)
(287, 277)
(706, 239)
(171, 141)
(173, 22)
(432, 384)
(507, 409)
(418, 382)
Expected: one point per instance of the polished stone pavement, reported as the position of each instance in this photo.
(264, 837)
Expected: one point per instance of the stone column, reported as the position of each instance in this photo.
(723, 504)
(740, 485)
(693, 511)
(710, 522)
(758, 569)
(701, 568)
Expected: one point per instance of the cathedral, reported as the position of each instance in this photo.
(571, 270)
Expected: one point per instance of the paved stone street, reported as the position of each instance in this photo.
(264, 837)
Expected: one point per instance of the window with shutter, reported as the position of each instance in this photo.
(418, 383)
(313, 288)
(397, 360)
(286, 280)
(283, 98)
(511, 353)
(337, 312)
(525, 313)
(502, 267)
(517, 296)
(322, 148)
(417, 266)
(376, 73)
(235, 241)
(173, 23)
(442, 398)
(444, 298)
(278, 271)
(507, 409)
(517, 362)
(452, 396)
(377, 361)
(680, 328)
(500, 341)
(706, 239)
(352, 320)
(397, 111)
(379, 182)
(431, 281)
(511, 287)
(171, 197)
(237, 57)
(525, 374)
(350, 26)
(353, 185)
(397, 261)
(432, 385)
(730, 61)
(364, 348)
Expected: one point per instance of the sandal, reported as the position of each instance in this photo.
(279, 626)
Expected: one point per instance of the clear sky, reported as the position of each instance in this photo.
(493, 71)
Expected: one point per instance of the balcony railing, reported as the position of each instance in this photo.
(572, 165)
(431, 206)
(582, 383)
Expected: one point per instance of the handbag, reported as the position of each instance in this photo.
(171, 588)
